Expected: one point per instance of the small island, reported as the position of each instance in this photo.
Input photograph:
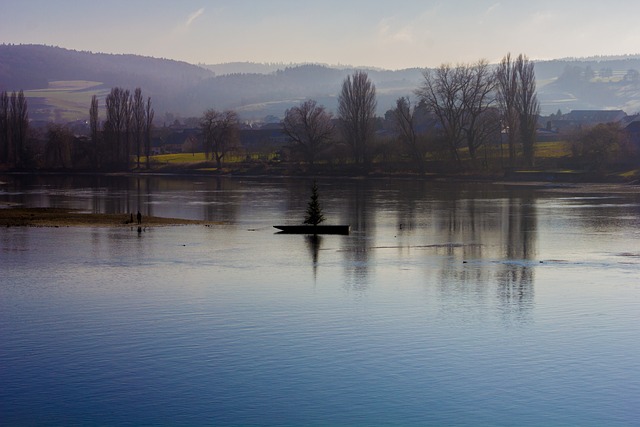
(313, 219)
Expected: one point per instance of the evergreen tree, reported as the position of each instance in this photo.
(314, 211)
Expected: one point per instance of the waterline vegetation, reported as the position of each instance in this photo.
(469, 120)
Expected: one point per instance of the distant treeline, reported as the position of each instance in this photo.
(186, 90)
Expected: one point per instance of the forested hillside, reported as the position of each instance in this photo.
(31, 67)
(59, 83)
(590, 84)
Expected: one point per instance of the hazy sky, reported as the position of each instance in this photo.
(390, 34)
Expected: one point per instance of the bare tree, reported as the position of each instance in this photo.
(94, 125)
(138, 122)
(148, 124)
(478, 85)
(19, 122)
(128, 129)
(600, 147)
(117, 126)
(519, 104)
(5, 135)
(356, 111)
(220, 131)
(404, 116)
(441, 91)
(528, 106)
(488, 130)
(507, 90)
(58, 148)
(459, 96)
(114, 126)
(309, 127)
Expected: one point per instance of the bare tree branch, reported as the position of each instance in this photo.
(356, 111)
(220, 132)
(309, 127)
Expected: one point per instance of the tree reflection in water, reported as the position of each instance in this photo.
(314, 242)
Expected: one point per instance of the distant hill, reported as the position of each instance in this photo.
(244, 68)
(589, 84)
(59, 83)
(31, 67)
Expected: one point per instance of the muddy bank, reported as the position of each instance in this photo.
(57, 217)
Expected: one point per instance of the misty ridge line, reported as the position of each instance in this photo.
(257, 90)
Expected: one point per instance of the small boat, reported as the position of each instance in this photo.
(314, 229)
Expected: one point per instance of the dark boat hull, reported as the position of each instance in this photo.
(314, 229)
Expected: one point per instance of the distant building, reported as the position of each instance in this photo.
(179, 140)
(267, 137)
(584, 119)
(595, 117)
(633, 133)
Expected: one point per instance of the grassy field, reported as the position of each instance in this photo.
(179, 158)
(552, 150)
(544, 151)
(64, 100)
(195, 158)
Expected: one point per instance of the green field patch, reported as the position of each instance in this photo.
(634, 173)
(552, 150)
(67, 100)
(180, 158)
(73, 84)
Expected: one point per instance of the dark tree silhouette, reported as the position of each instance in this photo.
(459, 96)
(58, 147)
(19, 121)
(14, 125)
(314, 214)
(138, 123)
(148, 124)
(528, 106)
(309, 127)
(94, 125)
(507, 90)
(356, 111)
(116, 127)
(519, 106)
(405, 120)
(5, 135)
(220, 132)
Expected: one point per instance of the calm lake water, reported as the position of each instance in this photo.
(449, 304)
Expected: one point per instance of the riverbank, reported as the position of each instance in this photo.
(544, 173)
(57, 217)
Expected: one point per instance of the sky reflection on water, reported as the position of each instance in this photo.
(447, 305)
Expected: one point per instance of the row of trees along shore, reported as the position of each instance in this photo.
(14, 123)
(469, 106)
(126, 132)
(462, 117)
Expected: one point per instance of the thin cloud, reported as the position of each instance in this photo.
(492, 8)
(195, 15)
(388, 32)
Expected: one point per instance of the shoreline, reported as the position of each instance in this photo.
(550, 175)
(12, 216)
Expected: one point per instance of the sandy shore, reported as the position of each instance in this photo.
(55, 217)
